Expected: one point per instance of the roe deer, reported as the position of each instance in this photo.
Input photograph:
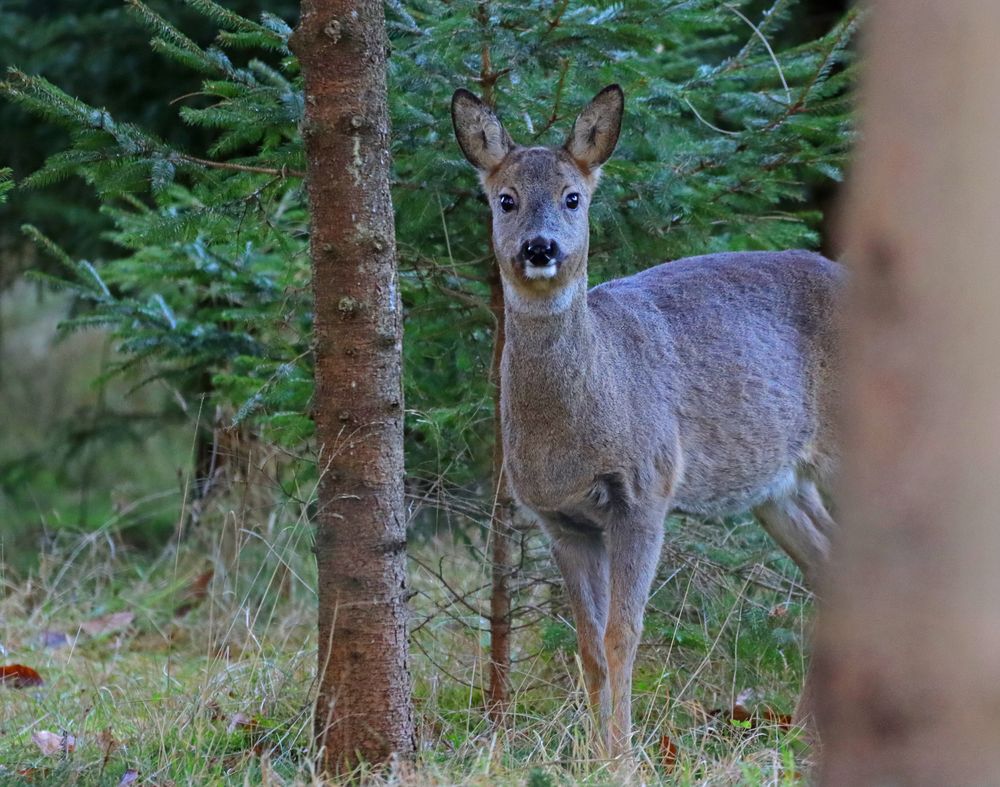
(702, 385)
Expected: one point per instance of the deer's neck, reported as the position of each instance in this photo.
(549, 348)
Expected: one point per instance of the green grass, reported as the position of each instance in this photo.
(726, 618)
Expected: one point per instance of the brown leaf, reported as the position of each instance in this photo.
(740, 712)
(765, 715)
(737, 713)
(108, 624)
(106, 740)
(782, 721)
(129, 777)
(17, 676)
(49, 743)
(668, 753)
(196, 593)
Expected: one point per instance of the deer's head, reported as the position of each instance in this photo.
(540, 196)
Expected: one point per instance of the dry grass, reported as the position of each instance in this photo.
(223, 693)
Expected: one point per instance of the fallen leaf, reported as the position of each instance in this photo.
(50, 638)
(196, 593)
(106, 740)
(49, 743)
(129, 777)
(17, 676)
(668, 753)
(781, 720)
(107, 624)
(255, 734)
(778, 611)
(241, 721)
(749, 720)
(740, 712)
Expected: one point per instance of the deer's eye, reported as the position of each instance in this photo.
(507, 203)
(573, 201)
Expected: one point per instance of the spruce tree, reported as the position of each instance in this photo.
(727, 135)
(723, 141)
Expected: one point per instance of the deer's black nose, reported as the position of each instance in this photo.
(539, 251)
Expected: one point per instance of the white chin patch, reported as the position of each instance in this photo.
(541, 272)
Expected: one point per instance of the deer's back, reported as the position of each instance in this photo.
(740, 376)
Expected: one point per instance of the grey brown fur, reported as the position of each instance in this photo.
(702, 385)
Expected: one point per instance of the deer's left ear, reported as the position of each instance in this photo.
(595, 132)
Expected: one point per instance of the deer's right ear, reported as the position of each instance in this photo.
(482, 137)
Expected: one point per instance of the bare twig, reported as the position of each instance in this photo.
(283, 172)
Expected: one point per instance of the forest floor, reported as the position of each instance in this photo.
(197, 668)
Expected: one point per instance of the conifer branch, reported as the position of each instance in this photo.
(283, 173)
(557, 102)
(839, 41)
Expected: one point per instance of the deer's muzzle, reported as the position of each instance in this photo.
(540, 252)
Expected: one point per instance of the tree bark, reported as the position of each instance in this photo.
(501, 531)
(907, 667)
(363, 710)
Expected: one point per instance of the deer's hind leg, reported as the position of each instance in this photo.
(810, 500)
(801, 525)
(579, 551)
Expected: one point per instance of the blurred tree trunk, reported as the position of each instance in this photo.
(363, 710)
(907, 667)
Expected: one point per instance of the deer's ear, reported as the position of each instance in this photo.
(482, 137)
(595, 132)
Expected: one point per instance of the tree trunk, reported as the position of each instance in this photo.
(908, 651)
(363, 710)
(501, 532)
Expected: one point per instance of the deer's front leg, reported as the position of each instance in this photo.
(633, 545)
(580, 554)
